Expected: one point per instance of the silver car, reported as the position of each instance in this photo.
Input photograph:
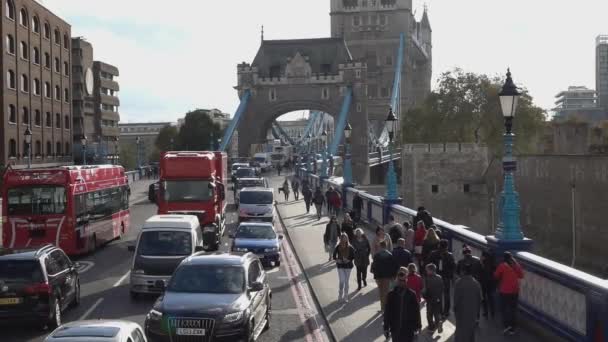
(98, 330)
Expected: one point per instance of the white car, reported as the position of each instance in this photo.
(98, 331)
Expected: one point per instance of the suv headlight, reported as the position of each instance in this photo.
(140, 272)
(272, 249)
(155, 315)
(233, 317)
(240, 249)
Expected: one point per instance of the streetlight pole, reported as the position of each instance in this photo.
(324, 155)
(509, 227)
(348, 167)
(115, 150)
(28, 143)
(138, 141)
(391, 176)
(83, 143)
(172, 141)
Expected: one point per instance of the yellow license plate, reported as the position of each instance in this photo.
(10, 301)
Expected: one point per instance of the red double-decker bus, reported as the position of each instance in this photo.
(77, 208)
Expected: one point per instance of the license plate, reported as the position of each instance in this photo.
(10, 301)
(190, 332)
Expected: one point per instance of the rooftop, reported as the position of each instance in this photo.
(219, 258)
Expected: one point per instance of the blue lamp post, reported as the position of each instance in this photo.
(509, 226)
(324, 155)
(391, 176)
(348, 167)
(83, 142)
(309, 153)
(28, 143)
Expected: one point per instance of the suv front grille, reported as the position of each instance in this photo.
(191, 323)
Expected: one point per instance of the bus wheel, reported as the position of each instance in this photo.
(93, 243)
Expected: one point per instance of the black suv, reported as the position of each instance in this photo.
(37, 285)
(212, 297)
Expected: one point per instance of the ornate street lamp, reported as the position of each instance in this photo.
(324, 155)
(138, 141)
(348, 168)
(83, 143)
(509, 227)
(308, 160)
(115, 151)
(391, 176)
(28, 143)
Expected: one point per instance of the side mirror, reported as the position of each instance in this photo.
(76, 265)
(256, 286)
(131, 248)
(198, 249)
(281, 236)
(160, 284)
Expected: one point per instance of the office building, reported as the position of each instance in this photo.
(601, 70)
(146, 132)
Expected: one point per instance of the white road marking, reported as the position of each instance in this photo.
(121, 279)
(93, 307)
(85, 266)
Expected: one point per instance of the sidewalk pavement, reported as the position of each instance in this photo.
(359, 319)
(139, 190)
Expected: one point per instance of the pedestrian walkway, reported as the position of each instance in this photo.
(360, 319)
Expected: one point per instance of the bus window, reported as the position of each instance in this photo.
(37, 200)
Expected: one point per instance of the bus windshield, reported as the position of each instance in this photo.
(37, 200)
(187, 191)
(276, 157)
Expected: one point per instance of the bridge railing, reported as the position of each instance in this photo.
(566, 301)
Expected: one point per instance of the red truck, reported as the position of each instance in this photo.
(193, 183)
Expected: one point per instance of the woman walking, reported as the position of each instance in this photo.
(414, 281)
(429, 245)
(344, 254)
(419, 236)
(508, 274)
(381, 236)
(331, 236)
(286, 189)
(295, 185)
(348, 227)
(362, 252)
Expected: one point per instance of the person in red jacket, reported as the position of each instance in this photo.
(508, 274)
(419, 236)
(414, 281)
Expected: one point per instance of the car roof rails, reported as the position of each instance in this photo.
(44, 249)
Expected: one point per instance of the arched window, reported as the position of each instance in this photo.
(24, 50)
(47, 60)
(48, 120)
(57, 37)
(58, 148)
(35, 24)
(47, 31)
(66, 122)
(57, 65)
(10, 9)
(36, 86)
(66, 69)
(12, 148)
(36, 56)
(57, 93)
(47, 90)
(67, 149)
(23, 19)
(10, 79)
(66, 95)
(37, 148)
(66, 41)
(49, 148)
(10, 44)
(25, 83)
(57, 120)
(12, 113)
(37, 118)
(25, 116)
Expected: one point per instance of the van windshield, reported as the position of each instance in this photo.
(165, 243)
(255, 197)
(260, 159)
(187, 191)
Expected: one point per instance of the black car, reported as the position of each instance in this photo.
(212, 297)
(37, 285)
(153, 191)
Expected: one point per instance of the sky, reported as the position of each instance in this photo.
(178, 55)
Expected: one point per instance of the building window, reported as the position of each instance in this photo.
(10, 44)
(66, 122)
(36, 56)
(384, 92)
(466, 188)
(47, 60)
(57, 93)
(389, 60)
(36, 86)
(48, 119)
(359, 108)
(37, 118)
(66, 41)
(12, 114)
(383, 19)
(24, 50)
(57, 37)
(67, 149)
(66, 70)
(57, 120)
(47, 90)
(12, 148)
(325, 94)
(25, 83)
(23, 20)
(25, 118)
(47, 31)
(10, 9)
(35, 24)
(358, 73)
(38, 148)
(57, 65)
(272, 94)
(58, 148)
(356, 20)
(49, 148)
(434, 188)
(66, 95)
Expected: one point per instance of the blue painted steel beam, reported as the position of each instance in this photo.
(339, 128)
(235, 121)
(395, 104)
(284, 134)
(275, 133)
(311, 121)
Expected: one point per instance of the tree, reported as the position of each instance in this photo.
(199, 132)
(465, 108)
(167, 138)
(128, 156)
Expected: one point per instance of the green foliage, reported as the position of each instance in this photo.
(199, 132)
(163, 140)
(128, 156)
(465, 108)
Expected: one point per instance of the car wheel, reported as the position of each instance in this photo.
(250, 332)
(76, 300)
(55, 315)
(268, 314)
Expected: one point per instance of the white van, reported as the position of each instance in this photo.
(264, 160)
(256, 204)
(164, 241)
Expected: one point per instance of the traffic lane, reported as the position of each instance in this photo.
(104, 286)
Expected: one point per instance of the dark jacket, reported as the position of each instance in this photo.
(307, 193)
(318, 198)
(384, 265)
(446, 265)
(362, 252)
(349, 260)
(476, 268)
(295, 186)
(327, 236)
(427, 249)
(357, 203)
(488, 267)
(402, 314)
(433, 289)
(395, 232)
(349, 229)
(425, 217)
(402, 256)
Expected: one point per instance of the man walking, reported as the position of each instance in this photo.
(467, 303)
(318, 199)
(433, 293)
(394, 229)
(384, 269)
(307, 193)
(295, 185)
(402, 256)
(357, 207)
(402, 313)
(445, 263)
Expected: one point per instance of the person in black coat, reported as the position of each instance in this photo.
(384, 269)
(402, 313)
(357, 207)
(488, 283)
(446, 266)
(307, 193)
(402, 256)
(424, 216)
